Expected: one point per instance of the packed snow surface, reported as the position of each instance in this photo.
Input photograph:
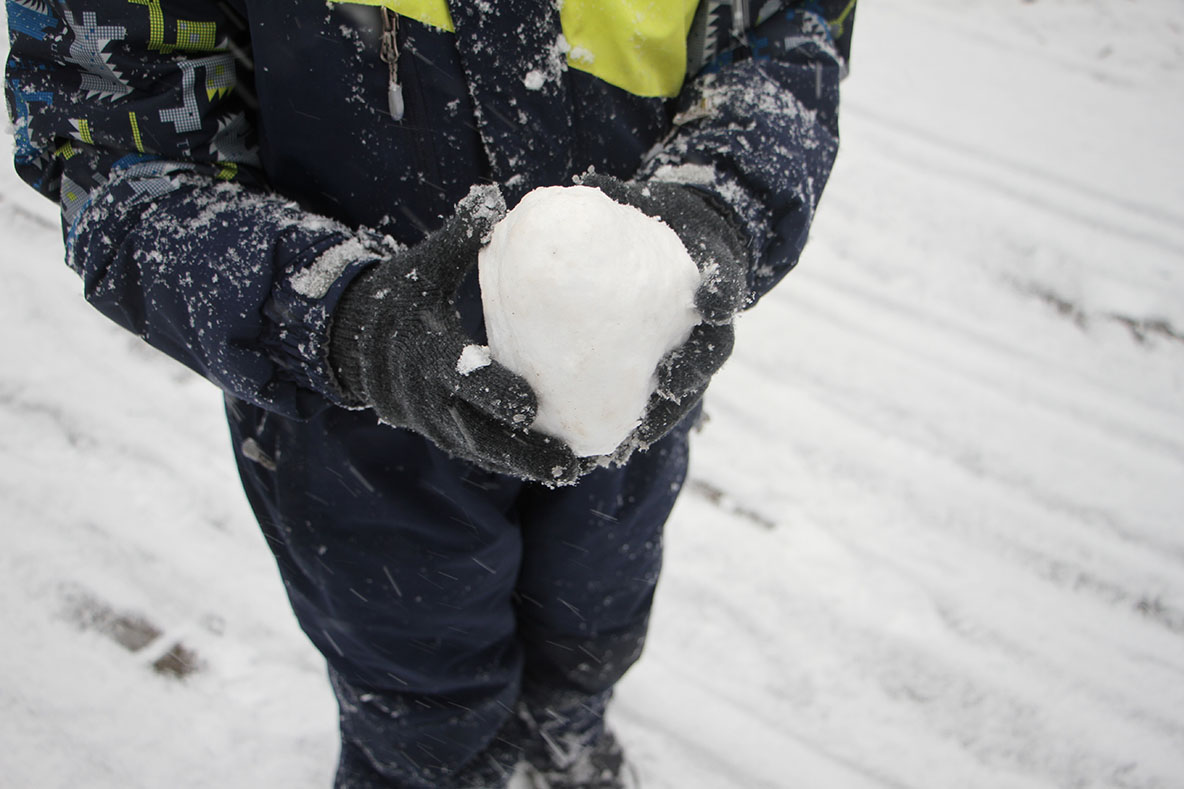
(583, 296)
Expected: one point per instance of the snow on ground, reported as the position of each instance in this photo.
(932, 537)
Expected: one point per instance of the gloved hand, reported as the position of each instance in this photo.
(718, 250)
(395, 341)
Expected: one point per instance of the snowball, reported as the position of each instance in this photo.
(583, 297)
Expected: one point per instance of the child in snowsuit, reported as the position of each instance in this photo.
(289, 198)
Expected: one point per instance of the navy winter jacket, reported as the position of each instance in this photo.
(225, 168)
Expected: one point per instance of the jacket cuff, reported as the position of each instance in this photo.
(301, 309)
(749, 221)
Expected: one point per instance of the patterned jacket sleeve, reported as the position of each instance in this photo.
(130, 116)
(758, 125)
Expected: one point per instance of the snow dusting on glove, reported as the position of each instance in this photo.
(397, 346)
(719, 252)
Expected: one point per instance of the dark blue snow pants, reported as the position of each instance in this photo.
(460, 612)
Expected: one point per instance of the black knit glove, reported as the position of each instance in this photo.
(396, 339)
(718, 250)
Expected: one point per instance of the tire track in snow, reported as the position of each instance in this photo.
(1062, 395)
(946, 692)
(953, 25)
(993, 536)
(894, 448)
(987, 160)
(751, 757)
(1046, 192)
(1010, 518)
(15, 213)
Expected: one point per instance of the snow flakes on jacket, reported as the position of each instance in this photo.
(206, 155)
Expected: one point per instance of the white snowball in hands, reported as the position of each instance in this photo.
(583, 297)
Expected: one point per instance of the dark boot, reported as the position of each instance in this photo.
(601, 765)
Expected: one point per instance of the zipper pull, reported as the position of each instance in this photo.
(390, 56)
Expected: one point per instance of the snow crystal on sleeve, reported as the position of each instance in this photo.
(314, 282)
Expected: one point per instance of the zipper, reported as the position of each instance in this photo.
(390, 56)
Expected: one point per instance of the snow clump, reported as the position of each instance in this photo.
(583, 296)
